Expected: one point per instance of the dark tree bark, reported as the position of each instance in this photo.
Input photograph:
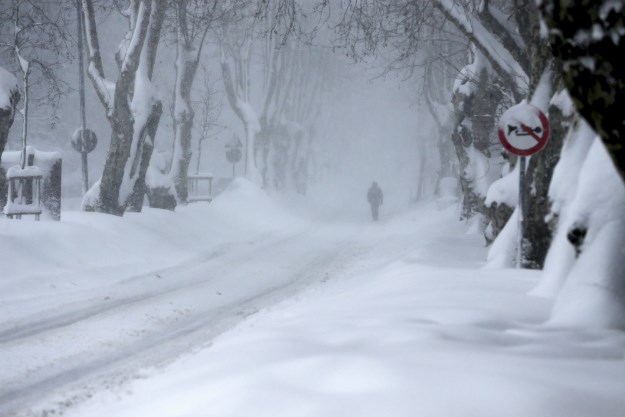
(7, 115)
(189, 45)
(587, 35)
(135, 201)
(186, 68)
(51, 190)
(475, 128)
(538, 63)
(131, 141)
(537, 233)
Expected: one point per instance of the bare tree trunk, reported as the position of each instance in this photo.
(598, 90)
(472, 136)
(133, 114)
(7, 113)
(135, 201)
(537, 204)
(187, 60)
(186, 69)
(108, 199)
(544, 74)
(7, 116)
(238, 96)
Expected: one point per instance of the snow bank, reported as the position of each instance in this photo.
(562, 189)
(593, 297)
(594, 292)
(503, 251)
(84, 251)
(402, 340)
(407, 326)
(505, 190)
(244, 201)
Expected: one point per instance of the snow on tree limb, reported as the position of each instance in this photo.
(105, 89)
(502, 61)
(509, 38)
(139, 34)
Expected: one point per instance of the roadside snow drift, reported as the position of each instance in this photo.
(272, 316)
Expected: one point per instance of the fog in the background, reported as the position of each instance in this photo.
(372, 134)
(370, 130)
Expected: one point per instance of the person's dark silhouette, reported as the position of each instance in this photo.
(375, 198)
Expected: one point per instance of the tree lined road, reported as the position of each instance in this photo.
(52, 358)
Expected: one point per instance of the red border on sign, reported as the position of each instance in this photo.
(530, 151)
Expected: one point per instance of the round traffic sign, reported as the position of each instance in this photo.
(88, 144)
(233, 155)
(523, 129)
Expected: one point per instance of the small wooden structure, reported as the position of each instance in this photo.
(24, 196)
(199, 188)
(50, 164)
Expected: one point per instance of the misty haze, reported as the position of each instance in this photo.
(312, 208)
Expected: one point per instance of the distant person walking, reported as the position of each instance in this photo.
(375, 198)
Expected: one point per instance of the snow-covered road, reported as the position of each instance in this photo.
(211, 311)
(153, 317)
(93, 327)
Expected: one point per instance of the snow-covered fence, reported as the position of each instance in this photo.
(200, 187)
(50, 164)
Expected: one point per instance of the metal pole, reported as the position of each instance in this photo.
(520, 254)
(199, 156)
(233, 165)
(81, 82)
(25, 117)
(246, 144)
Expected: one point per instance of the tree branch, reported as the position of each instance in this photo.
(95, 69)
(506, 66)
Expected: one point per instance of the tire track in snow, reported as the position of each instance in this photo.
(171, 340)
(52, 321)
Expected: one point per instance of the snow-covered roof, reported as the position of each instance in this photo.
(31, 172)
(201, 175)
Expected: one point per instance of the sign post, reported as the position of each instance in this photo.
(83, 139)
(523, 130)
(233, 153)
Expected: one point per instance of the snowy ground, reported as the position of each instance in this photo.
(247, 308)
